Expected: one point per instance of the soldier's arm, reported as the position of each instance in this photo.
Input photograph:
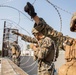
(25, 37)
(17, 33)
(29, 39)
(52, 32)
(36, 19)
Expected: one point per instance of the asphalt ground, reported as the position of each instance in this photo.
(30, 66)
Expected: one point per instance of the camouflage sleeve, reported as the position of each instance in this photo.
(45, 49)
(29, 39)
(42, 26)
(45, 28)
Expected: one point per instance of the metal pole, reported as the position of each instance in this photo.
(3, 38)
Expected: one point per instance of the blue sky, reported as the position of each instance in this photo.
(43, 9)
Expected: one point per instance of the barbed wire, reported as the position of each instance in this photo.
(63, 9)
(16, 24)
(15, 9)
(58, 13)
(29, 65)
(19, 19)
(34, 2)
(32, 68)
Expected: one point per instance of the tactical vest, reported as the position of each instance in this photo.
(50, 56)
(73, 49)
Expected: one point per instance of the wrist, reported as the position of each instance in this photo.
(33, 14)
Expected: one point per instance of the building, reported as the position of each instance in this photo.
(27, 52)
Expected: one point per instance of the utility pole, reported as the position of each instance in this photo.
(3, 39)
(7, 35)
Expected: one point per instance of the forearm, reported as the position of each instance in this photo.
(29, 39)
(17, 33)
(25, 37)
(36, 19)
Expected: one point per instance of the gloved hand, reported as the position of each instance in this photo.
(30, 10)
(14, 32)
(17, 33)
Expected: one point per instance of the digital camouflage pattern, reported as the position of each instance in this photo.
(56, 36)
(47, 30)
(44, 54)
(29, 39)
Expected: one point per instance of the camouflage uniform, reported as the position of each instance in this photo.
(44, 54)
(16, 53)
(70, 56)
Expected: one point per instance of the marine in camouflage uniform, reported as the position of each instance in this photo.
(44, 51)
(69, 45)
(15, 48)
(69, 68)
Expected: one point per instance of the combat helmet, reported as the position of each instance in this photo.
(73, 23)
